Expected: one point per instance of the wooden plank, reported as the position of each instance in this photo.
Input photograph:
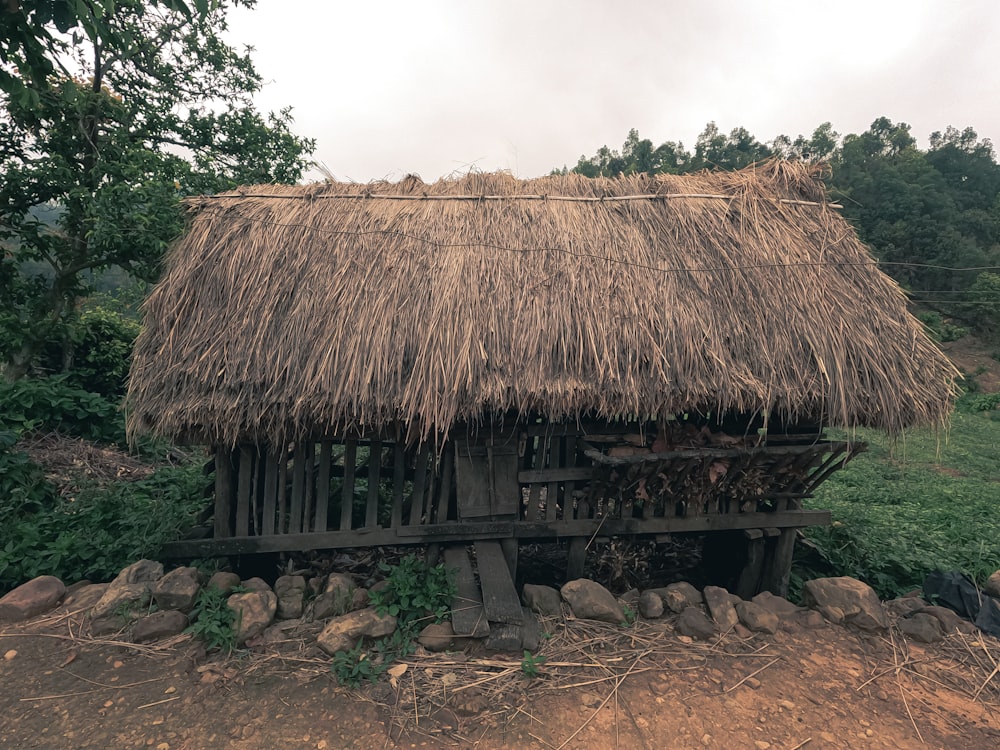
(256, 493)
(444, 495)
(419, 479)
(374, 476)
(323, 485)
(309, 491)
(567, 474)
(748, 582)
(576, 558)
(223, 492)
(472, 480)
(778, 566)
(552, 488)
(282, 519)
(244, 489)
(298, 490)
(398, 479)
(467, 614)
(510, 551)
(505, 495)
(270, 492)
(535, 488)
(500, 598)
(347, 492)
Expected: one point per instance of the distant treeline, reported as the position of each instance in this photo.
(925, 213)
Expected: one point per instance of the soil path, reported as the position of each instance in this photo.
(819, 687)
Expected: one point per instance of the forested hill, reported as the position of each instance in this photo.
(925, 213)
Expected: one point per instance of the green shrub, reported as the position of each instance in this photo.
(102, 352)
(54, 404)
(213, 621)
(96, 533)
(417, 593)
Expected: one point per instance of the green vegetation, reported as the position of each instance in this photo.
(924, 213)
(94, 533)
(416, 594)
(531, 664)
(95, 162)
(213, 621)
(904, 509)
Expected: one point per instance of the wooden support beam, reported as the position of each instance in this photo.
(323, 485)
(223, 492)
(298, 490)
(748, 582)
(347, 492)
(244, 489)
(500, 598)
(467, 614)
(778, 566)
(398, 478)
(270, 493)
(374, 476)
(576, 558)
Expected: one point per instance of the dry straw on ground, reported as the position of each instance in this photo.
(308, 309)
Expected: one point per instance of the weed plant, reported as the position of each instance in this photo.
(923, 502)
(213, 621)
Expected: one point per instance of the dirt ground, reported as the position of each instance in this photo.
(601, 686)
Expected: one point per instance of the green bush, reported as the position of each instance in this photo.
(103, 349)
(213, 621)
(54, 404)
(94, 534)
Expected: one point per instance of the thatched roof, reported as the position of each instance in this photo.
(286, 310)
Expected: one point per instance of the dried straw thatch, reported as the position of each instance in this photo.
(293, 310)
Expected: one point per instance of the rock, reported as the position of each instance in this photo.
(85, 597)
(544, 600)
(438, 636)
(858, 601)
(905, 606)
(720, 606)
(291, 593)
(531, 630)
(949, 619)
(255, 584)
(679, 596)
(177, 589)
(779, 605)
(992, 585)
(758, 619)
(360, 599)
(742, 631)
(107, 624)
(630, 598)
(130, 589)
(834, 615)
(812, 619)
(341, 633)
(159, 625)
(33, 598)
(254, 610)
(284, 630)
(223, 581)
(922, 627)
(589, 600)
(590, 700)
(650, 605)
(694, 623)
(337, 597)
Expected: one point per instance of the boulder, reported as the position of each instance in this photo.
(949, 618)
(85, 597)
(905, 606)
(177, 589)
(255, 584)
(720, 607)
(679, 596)
(439, 636)
(778, 605)
(650, 605)
(922, 627)
(131, 588)
(694, 623)
(342, 633)
(291, 593)
(337, 597)
(159, 625)
(544, 600)
(757, 618)
(857, 600)
(589, 600)
(255, 610)
(35, 597)
(992, 585)
(224, 581)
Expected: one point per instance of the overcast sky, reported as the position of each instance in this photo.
(438, 86)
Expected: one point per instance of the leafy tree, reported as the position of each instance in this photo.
(138, 105)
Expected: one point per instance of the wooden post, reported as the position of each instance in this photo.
(270, 492)
(576, 558)
(347, 495)
(244, 489)
(298, 489)
(223, 492)
(323, 485)
(778, 572)
(748, 582)
(510, 547)
(374, 476)
(398, 478)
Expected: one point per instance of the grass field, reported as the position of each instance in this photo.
(906, 507)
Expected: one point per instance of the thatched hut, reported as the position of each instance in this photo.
(488, 357)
